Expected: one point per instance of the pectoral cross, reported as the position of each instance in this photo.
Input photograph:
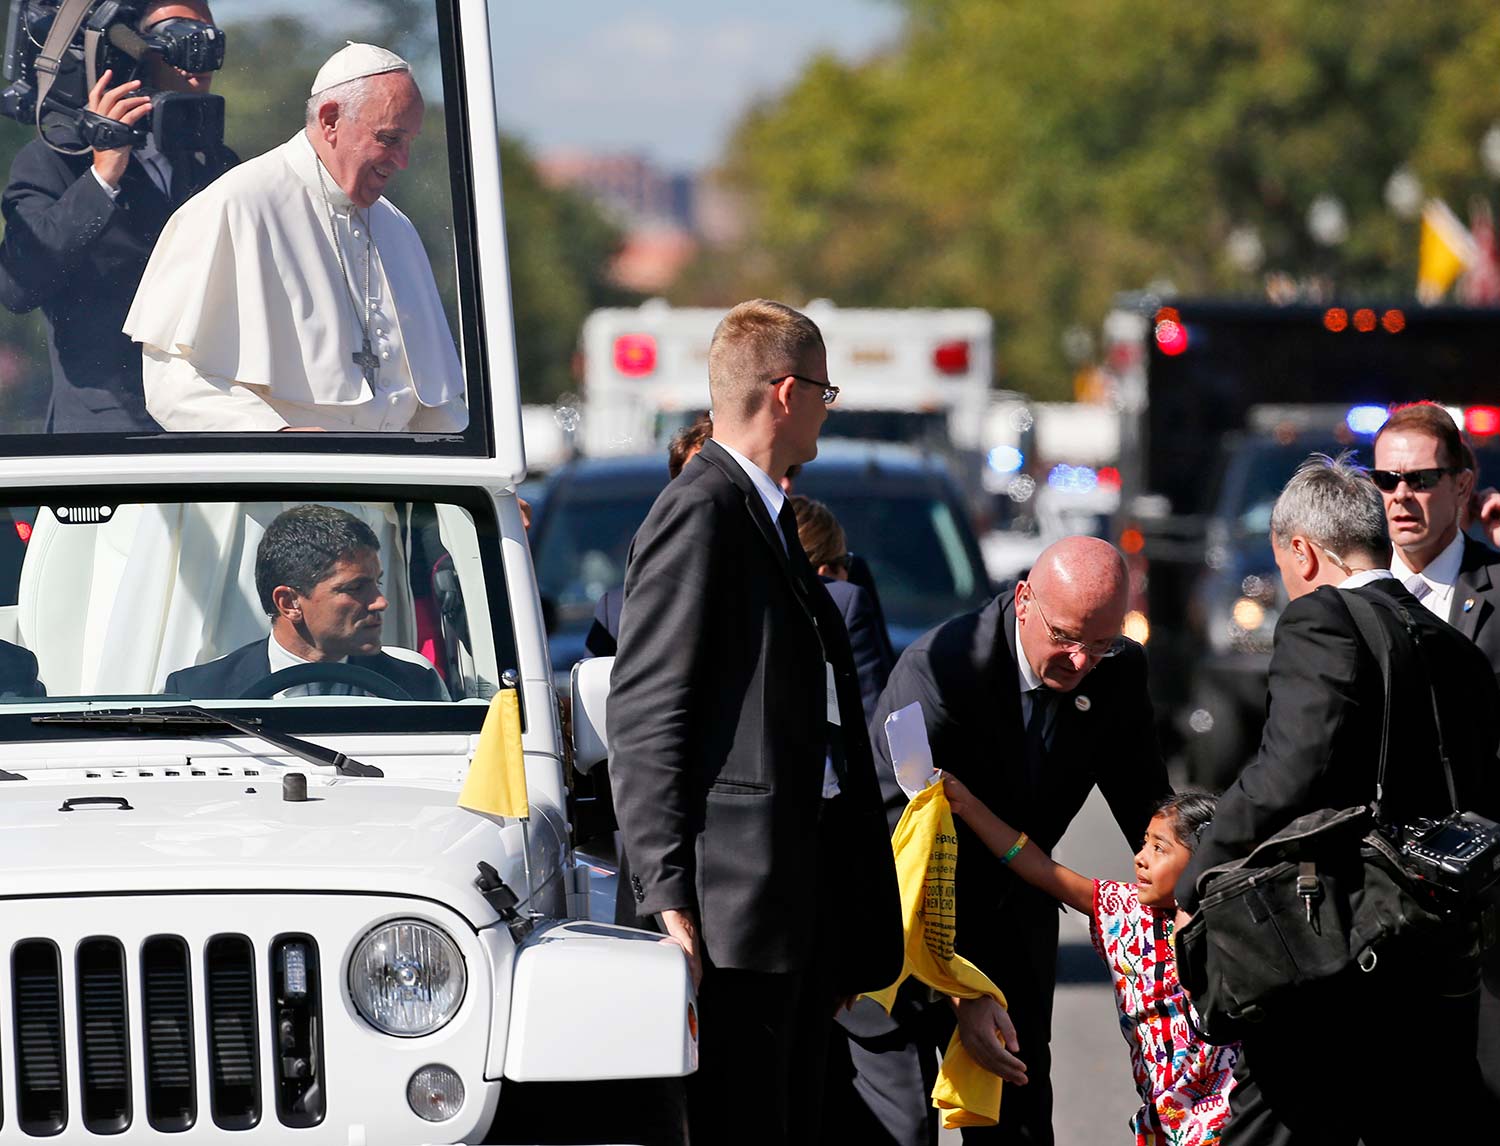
(367, 362)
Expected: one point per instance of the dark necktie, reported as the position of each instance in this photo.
(1043, 701)
(787, 521)
(182, 177)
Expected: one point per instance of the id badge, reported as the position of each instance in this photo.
(833, 694)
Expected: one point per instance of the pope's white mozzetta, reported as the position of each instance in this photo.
(245, 323)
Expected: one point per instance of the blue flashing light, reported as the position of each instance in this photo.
(1072, 479)
(1366, 420)
(1006, 459)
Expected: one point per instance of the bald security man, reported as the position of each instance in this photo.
(1032, 701)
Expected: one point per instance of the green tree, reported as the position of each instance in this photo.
(1035, 159)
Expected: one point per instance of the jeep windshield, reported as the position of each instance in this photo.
(309, 607)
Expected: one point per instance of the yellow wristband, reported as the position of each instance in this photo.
(1015, 849)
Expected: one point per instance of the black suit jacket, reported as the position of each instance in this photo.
(1475, 610)
(1321, 745)
(18, 672)
(868, 641)
(718, 733)
(79, 255)
(230, 675)
(965, 674)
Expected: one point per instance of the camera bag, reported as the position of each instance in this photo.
(1329, 892)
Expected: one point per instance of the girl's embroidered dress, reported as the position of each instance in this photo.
(1183, 1082)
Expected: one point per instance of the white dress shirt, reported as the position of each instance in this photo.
(1439, 577)
(1027, 675)
(282, 658)
(1364, 577)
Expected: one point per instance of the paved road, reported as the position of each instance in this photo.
(1094, 1097)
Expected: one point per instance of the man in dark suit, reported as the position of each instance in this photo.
(1034, 699)
(78, 232)
(18, 672)
(742, 775)
(317, 572)
(1321, 749)
(1426, 473)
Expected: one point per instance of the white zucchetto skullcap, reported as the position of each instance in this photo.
(355, 61)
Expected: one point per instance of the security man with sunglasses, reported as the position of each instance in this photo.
(1032, 701)
(1422, 470)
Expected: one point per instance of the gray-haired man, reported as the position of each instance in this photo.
(1372, 1033)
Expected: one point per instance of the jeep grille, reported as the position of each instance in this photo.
(243, 999)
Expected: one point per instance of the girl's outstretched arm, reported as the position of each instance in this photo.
(1031, 863)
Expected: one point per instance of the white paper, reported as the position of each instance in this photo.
(911, 754)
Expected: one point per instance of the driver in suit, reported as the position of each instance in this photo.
(317, 572)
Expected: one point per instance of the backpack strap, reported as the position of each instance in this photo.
(1377, 639)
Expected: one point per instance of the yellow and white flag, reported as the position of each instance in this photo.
(1447, 250)
(496, 785)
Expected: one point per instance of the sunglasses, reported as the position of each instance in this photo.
(1418, 481)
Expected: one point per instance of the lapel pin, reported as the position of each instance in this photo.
(1468, 603)
(1082, 703)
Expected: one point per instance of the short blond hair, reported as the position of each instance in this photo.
(753, 344)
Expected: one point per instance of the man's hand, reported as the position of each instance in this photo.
(118, 104)
(1486, 509)
(682, 929)
(985, 1029)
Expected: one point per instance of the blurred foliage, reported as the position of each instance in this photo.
(1034, 159)
(558, 243)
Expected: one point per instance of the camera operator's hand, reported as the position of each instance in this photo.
(116, 103)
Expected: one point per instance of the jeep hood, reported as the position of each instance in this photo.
(239, 834)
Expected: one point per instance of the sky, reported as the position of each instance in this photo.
(663, 78)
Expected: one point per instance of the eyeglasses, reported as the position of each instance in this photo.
(830, 393)
(1096, 649)
(1418, 481)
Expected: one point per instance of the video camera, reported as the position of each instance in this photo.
(57, 49)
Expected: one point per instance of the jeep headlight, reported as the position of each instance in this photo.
(406, 978)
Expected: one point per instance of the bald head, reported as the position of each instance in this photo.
(1076, 595)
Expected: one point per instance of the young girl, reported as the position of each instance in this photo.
(1183, 1082)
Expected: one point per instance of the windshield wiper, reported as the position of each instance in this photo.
(192, 718)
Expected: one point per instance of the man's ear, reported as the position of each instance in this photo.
(1021, 601)
(1305, 554)
(328, 118)
(288, 602)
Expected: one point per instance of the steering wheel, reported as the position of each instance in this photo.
(325, 672)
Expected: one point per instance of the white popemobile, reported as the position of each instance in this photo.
(262, 915)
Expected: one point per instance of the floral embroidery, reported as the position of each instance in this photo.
(1184, 1084)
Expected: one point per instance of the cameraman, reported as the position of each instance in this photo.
(1407, 1028)
(78, 232)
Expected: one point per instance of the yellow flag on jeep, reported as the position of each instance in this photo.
(496, 785)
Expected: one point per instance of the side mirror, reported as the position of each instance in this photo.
(590, 688)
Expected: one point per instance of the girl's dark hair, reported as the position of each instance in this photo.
(1189, 813)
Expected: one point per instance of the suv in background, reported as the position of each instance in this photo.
(900, 509)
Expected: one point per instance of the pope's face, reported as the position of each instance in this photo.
(369, 148)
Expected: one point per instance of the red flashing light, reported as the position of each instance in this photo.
(1132, 541)
(635, 355)
(1482, 420)
(1171, 337)
(1109, 478)
(1335, 319)
(1364, 320)
(23, 530)
(951, 358)
(1393, 321)
(1167, 314)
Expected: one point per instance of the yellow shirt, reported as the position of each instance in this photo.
(926, 846)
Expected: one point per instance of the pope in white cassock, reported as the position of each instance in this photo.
(290, 294)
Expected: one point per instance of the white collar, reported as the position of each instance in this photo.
(1029, 680)
(1441, 571)
(770, 493)
(305, 164)
(1364, 577)
(281, 657)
